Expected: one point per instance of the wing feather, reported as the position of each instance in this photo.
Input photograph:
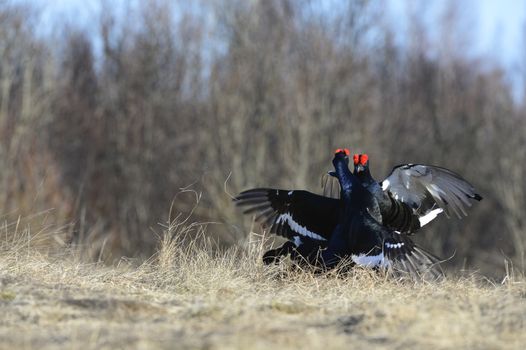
(330, 186)
(291, 213)
(426, 187)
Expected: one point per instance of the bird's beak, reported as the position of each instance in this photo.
(332, 173)
(359, 168)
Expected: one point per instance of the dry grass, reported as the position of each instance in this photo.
(188, 296)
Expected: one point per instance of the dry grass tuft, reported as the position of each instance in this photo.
(193, 295)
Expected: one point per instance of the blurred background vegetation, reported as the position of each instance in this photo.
(105, 125)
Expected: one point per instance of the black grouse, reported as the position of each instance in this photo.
(414, 194)
(349, 227)
(360, 236)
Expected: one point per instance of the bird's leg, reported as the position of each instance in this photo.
(307, 252)
(275, 255)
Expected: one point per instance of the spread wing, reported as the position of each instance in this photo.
(292, 214)
(429, 190)
(330, 186)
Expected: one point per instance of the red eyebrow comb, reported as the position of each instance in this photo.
(356, 159)
(344, 150)
(364, 158)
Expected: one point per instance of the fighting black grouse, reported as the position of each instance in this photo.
(346, 227)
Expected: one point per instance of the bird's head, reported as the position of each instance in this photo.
(361, 163)
(341, 154)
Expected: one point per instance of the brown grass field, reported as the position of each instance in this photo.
(199, 297)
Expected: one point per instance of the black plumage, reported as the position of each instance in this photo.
(304, 218)
(279, 210)
(360, 237)
(332, 229)
(415, 194)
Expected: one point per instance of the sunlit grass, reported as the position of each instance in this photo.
(191, 294)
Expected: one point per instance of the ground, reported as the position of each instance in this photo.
(192, 296)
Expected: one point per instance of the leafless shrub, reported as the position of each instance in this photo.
(107, 127)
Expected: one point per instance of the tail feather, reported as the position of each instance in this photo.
(406, 258)
(419, 264)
